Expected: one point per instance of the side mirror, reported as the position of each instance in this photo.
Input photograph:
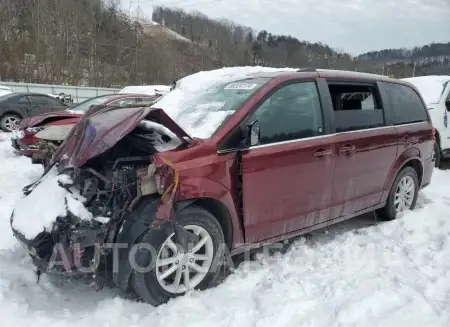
(447, 104)
(252, 134)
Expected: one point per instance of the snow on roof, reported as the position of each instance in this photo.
(185, 105)
(146, 89)
(430, 87)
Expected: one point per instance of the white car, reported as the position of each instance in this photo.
(435, 90)
(146, 89)
(5, 90)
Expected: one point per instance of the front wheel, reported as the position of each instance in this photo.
(9, 122)
(176, 272)
(403, 194)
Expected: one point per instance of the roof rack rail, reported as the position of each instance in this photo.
(306, 70)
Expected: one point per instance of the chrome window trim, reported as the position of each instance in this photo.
(315, 137)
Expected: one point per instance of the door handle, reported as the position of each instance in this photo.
(347, 148)
(322, 153)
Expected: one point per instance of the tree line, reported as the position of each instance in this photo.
(95, 43)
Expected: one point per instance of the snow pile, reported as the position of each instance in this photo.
(162, 138)
(48, 200)
(430, 87)
(354, 274)
(17, 134)
(202, 119)
(146, 89)
(15, 172)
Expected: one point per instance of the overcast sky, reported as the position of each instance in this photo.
(354, 25)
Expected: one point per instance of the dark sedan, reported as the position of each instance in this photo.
(16, 106)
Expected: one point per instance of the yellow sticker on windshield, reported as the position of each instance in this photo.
(240, 86)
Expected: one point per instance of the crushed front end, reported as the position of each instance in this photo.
(70, 219)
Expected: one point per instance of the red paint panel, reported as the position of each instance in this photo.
(286, 187)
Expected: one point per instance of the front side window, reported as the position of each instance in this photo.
(356, 107)
(292, 112)
(44, 101)
(406, 104)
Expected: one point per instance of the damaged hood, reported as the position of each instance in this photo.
(36, 120)
(99, 131)
(55, 133)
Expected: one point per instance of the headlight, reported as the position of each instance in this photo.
(34, 129)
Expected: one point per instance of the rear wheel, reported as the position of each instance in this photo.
(176, 272)
(9, 122)
(403, 194)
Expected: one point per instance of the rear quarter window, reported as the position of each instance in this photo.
(405, 103)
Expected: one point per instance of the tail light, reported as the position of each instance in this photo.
(434, 135)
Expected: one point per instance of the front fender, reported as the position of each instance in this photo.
(407, 156)
(204, 188)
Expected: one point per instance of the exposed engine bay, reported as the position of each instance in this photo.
(46, 150)
(108, 187)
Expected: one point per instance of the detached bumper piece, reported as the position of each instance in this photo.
(63, 253)
(15, 144)
(40, 249)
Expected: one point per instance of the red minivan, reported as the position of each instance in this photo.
(275, 154)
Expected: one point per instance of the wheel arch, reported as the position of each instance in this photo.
(416, 164)
(11, 112)
(409, 158)
(218, 210)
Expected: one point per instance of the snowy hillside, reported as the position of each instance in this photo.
(354, 274)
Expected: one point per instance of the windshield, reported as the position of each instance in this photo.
(84, 106)
(202, 112)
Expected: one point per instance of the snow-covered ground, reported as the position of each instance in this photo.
(354, 274)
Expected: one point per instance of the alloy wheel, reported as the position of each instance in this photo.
(11, 122)
(176, 271)
(404, 195)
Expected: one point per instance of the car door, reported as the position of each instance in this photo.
(43, 104)
(287, 178)
(21, 104)
(365, 147)
(409, 116)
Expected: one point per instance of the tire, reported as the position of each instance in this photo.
(389, 212)
(7, 120)
(437, 153)
(146, 284)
